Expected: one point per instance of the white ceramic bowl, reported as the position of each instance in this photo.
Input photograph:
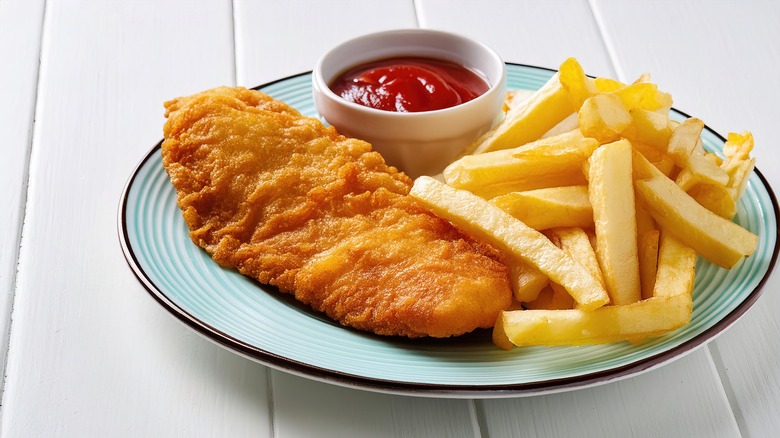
(419, 143)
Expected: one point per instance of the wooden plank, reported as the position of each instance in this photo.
(303, 407)
(720, 64)
(18, 86)
(276, 38)
(679, 399)
(543, 34)
(91, 354)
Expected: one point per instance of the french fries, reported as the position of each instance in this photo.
(549, 162)
(612, 195)
(553, 207)
(600, 205)
(491, 224)
(720, 241)
(528, 120)
(631, 322)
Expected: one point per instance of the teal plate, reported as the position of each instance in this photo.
(259, 322)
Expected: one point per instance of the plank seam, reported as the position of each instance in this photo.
(417, 7)
(23, 201)
(716, 360)
(617, 70)
(235, 46)
(478, 418)
(269, 376)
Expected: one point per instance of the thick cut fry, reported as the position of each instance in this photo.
(576, 243)
(715, 198)
(550, 207)
(642, 167)
(573, 177)
(578, 85)
(719, 199)
(529, 120)
(676, 268)
(567, 125)
(684, 139)
(738, 146)
(526, 280)
(738, 164)
(603, 117)
(650, 128)
(516, 97)
(606, 85)
(500, 339)
(659, 159)
(648, 261)
(684, 148)
(648, 235)
(630, 322)
(542, 163)
(719, 240)
(645, 96)
(612, 197)
(553, 297)
(491, 224)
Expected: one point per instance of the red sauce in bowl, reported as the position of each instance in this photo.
(409, 84)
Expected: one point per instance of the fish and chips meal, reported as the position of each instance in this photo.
(577, 219)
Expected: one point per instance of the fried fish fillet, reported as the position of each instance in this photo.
(291, 203)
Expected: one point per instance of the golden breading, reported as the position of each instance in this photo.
(291, 203)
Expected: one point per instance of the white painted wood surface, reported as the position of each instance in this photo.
(92, 355)
(18, 88)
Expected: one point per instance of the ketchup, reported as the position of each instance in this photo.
(409, 84)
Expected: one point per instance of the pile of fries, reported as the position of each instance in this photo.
(599, 204)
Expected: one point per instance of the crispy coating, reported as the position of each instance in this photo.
(291, 203)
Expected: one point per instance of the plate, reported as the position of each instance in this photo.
(259, 322)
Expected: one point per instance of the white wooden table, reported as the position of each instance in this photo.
(85, 350)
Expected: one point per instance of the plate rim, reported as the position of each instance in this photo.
(303, 369)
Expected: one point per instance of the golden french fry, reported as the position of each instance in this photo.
(648, 260)
(576, 242)
(568, 124)
(738, 145)
(603, 117)
(489, 223)
(719, 199)
(549, 162)
(516, 97)
(684, 139)
(684, 148)
(500, 339)
(676, 268)
(715, 198)
(551, 207)
(647, 318)
(739, 178)
(553, 297)
(650, 128)
(606, 85)
(614, 215)
(648, 235)
(526, 280)
(578, 85)
(738, 164)
(644, 77)
(719, 240)
(529, 120)
(645, 96)
(642, 167)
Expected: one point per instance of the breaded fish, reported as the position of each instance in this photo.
(290, 202)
